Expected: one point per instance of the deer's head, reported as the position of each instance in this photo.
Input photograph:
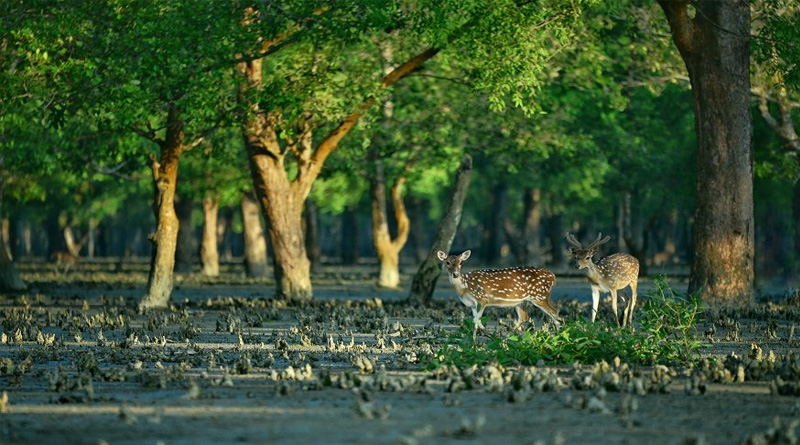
(453, 262)
(583, 254)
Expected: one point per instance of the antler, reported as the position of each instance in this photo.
(599, 241)
(574, 241)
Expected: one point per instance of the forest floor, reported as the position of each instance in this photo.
(227, 364)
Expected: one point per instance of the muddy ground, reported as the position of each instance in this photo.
(228, 364)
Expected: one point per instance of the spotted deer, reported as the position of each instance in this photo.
(507, 287)
(64, 261)
(610, 274)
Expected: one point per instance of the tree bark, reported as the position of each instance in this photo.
(533, 226)
(495, 224)
(255, 244)
(225, 233)
(311, 224)
(91, 240)
(164, 240)
(388, 249)
(350, 244)
(635, 236)
(715, 46)
(209, 253)
(555, 233)
(417, 232)
(74, 247)
(10, 279)
(424, 281)
(796, 218)
(187, 243)
(525, 244)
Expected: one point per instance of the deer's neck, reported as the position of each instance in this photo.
(595, 274)
(459, 283)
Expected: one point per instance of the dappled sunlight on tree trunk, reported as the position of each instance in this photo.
(209, 253)
(715, 46)
(388, 249)
(186, 250)
(424, 281)
(255, 244)
(165, 238)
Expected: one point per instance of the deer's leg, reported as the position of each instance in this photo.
(547, 307)
(477, 313)
(522, 315)
(626, 302)
(634, 285)
(614, 305)
(595, 301)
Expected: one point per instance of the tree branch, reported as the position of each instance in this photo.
(785, 128)
(400, 214)
(149, 133)
(680, 23)
(306, 178)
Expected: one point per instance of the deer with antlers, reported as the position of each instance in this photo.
(509, 287)
(610, 274)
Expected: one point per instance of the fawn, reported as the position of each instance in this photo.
(64, 260)
(501, 287)
(610, 274)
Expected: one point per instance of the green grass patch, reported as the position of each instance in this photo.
(666, 334)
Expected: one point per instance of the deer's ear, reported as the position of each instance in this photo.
(466, 255)
(441, 255)
(571, 250)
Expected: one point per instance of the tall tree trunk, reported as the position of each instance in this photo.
(255, 245)
(525, 244)
(424, 281)
(285, 217)
(715, 46)
(91, 238)
(311, 225)
(555, 233)
(620, 214)
(350, 245)
(225, 233)
(5, 227)
(494, 226)
(55, 235)
(10, 279)
(73, 246)
(164, 240)
(209, 254)
(533, 226)
(635, 236)
(771, 242)
(187, 243)
(22, 244)
(417, 231)
(388, 249)
(796, 219)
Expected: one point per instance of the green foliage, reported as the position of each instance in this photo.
(670, 320)
(775, 47)
(337, 191)
(666, 336)
(505, 46)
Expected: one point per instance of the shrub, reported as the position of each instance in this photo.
(667, 335)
